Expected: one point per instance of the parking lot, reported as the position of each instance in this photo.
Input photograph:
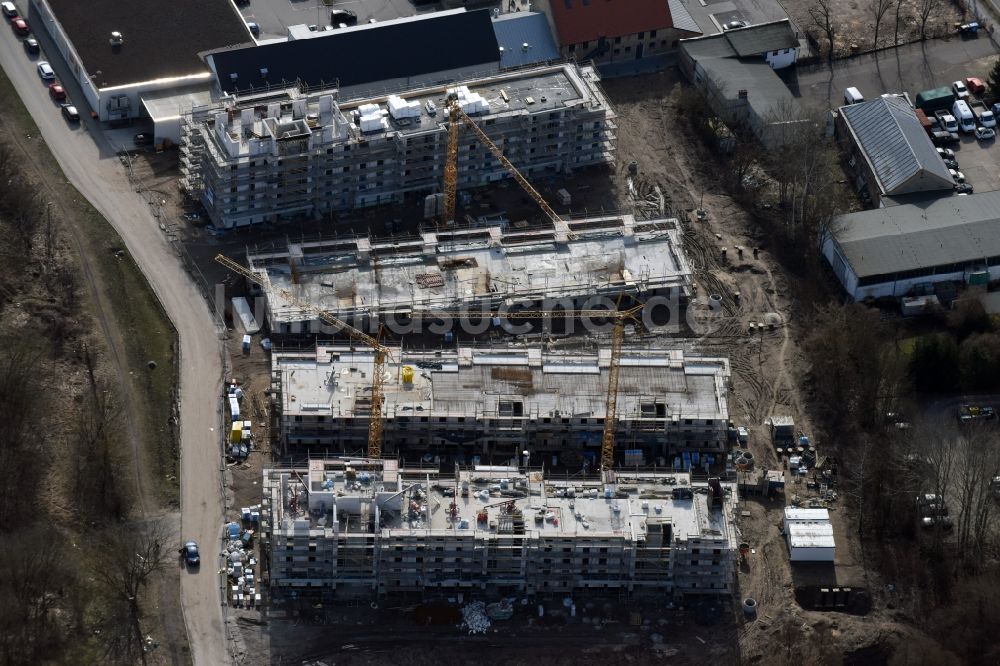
(274, 16)
(910, 69)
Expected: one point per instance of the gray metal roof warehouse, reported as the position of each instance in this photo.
(901, 155)
(944, 231)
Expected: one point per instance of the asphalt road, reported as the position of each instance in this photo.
(92, 166)
(909, 68)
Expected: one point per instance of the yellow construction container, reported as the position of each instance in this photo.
(236, 434)
(408, 373)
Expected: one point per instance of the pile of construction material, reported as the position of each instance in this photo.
(474, 618)
(470, 102)
(240, 562)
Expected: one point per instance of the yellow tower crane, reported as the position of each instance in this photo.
(455, 113)
(381, 351)
(619, 318)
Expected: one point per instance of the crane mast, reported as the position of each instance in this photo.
(381, 352)
(455, 112)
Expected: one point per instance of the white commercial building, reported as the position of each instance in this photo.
(809, 533)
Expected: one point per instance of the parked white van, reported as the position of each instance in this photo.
(963, 114)
(853, 96)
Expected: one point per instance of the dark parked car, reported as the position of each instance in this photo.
(31, 46)
(70, 113)
(944, 138)
(190, 553)
(142, 139)
(343, 16)
(9, 9)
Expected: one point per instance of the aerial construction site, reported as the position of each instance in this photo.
(548, 332)
(474, 412)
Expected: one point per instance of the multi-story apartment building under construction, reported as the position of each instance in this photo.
(340, 528)
(280, 154)
(489, 404)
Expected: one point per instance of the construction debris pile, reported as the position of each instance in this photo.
(474, 618)
(241, 563)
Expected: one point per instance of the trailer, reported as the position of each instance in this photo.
(935, 99)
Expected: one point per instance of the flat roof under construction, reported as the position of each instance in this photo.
(480, 269)
(551, 507)
(516, 381)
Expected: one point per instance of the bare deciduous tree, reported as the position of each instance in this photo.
(35, 576)
(822, 16)
(924, 11)
(21, 404)
(978, 462)
(878, 9)
(131, 554)
(895, 30)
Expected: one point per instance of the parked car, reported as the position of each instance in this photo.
(946, 153)
(31, 46)
(57, 92)
(9, 10)
(190, 553)
(960, 89)
(142, 139)
(975, 85)
(254, 28)
(343, 17)
(735, 25)
(70, 113)
(20, 26)
(985, 133)
(975, 412)
(963, 188)
(944, 138)
(969, 29)
(984, 116)
(45, 71)
(957, 176)
(951, 164)
(945, 522)
(947, 120)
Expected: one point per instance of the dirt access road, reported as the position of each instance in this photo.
(92, 166)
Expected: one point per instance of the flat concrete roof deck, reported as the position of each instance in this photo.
(478, 268)
(414, 502)
(472, 383)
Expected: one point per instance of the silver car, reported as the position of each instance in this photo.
(45, 71)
